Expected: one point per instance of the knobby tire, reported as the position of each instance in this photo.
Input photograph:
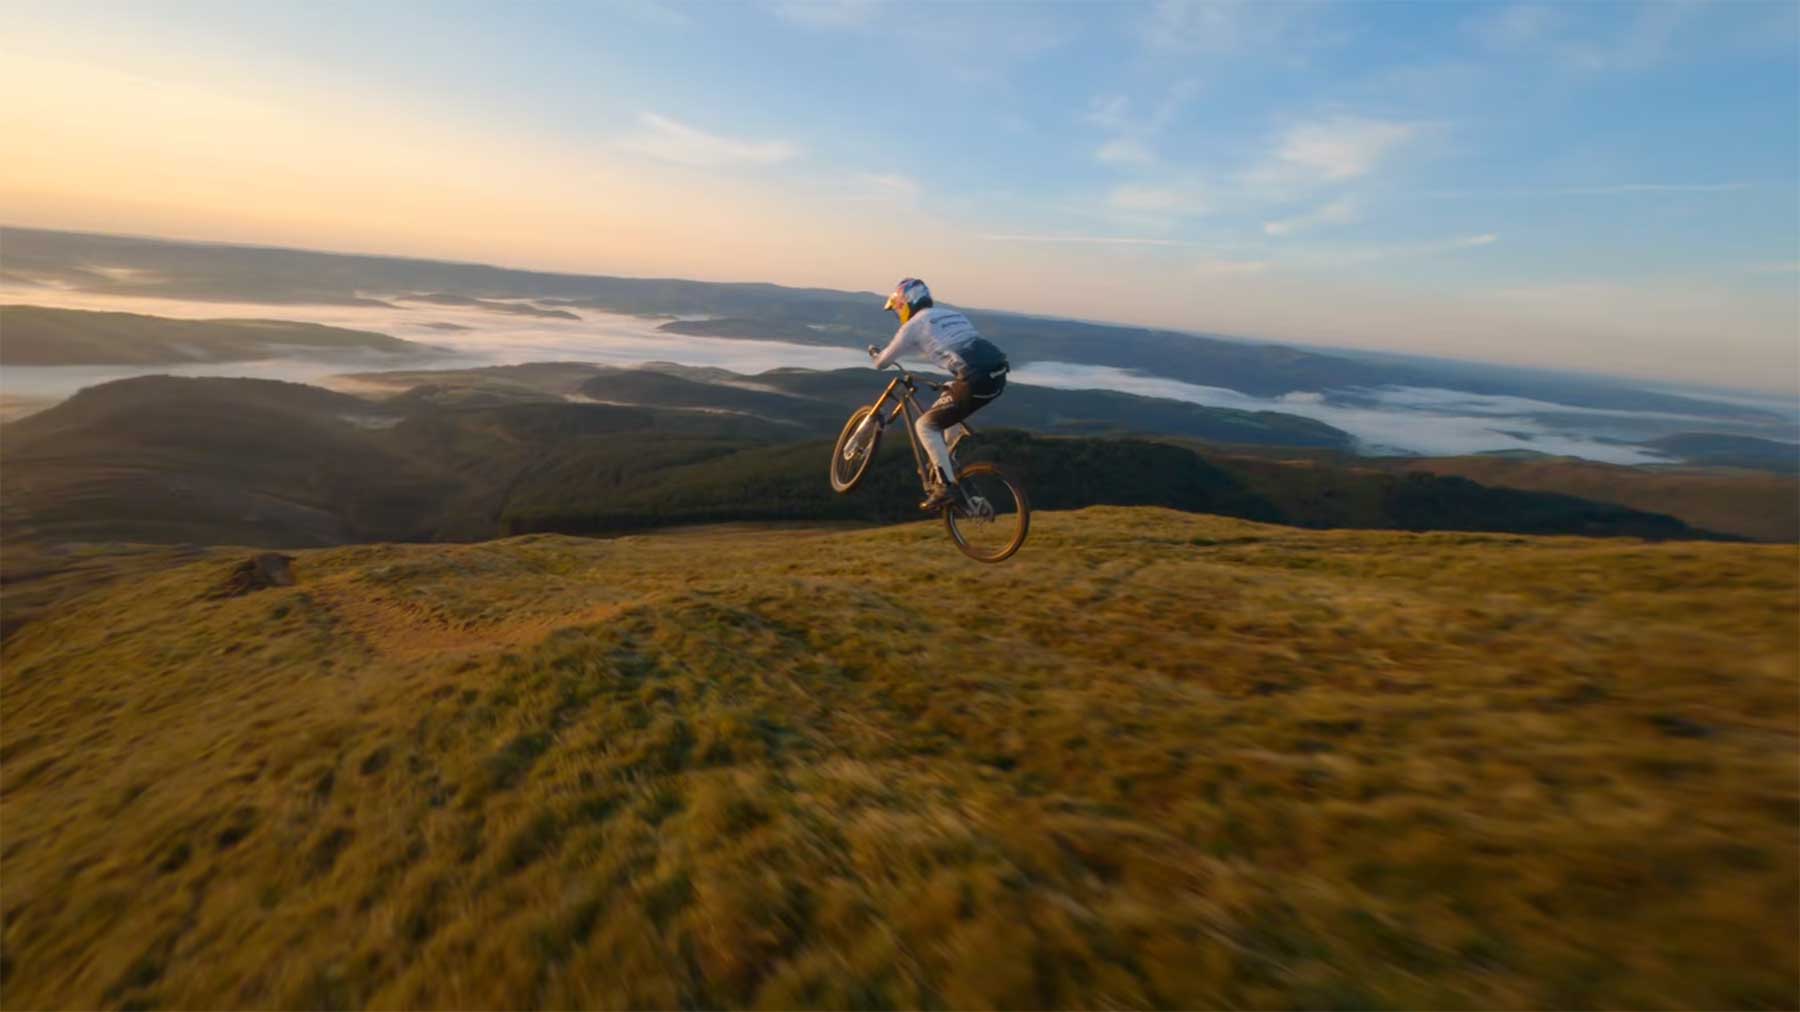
(845, 484)
(1024, 515)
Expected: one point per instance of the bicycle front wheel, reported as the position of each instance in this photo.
(991, 517)
(854, 451)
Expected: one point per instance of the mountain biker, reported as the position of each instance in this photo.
(977, 369)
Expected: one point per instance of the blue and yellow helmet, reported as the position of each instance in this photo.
(908, 296)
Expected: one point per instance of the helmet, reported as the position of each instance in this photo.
(910, 295)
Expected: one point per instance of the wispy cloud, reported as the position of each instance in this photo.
(667, 140)
(1197, 27)
(1598, 190)
(1108, 240)
(1334, 150)
(1517, 27)
(1642, 40)
(1642, 44)
(1652, 188)
(1285, 31)
(1133, 136)
(1173, 102)
(1124, 151)
(1328, 257)
(889, 185)
(1427, 248)
(1178, 200)
(1484, 239)
(1109, 112)
(1215, 268)
(1343, 211)
(828, 13)
(654, 12)
(972, 42)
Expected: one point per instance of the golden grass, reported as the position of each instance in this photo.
(1156, 760)
(1751, 504)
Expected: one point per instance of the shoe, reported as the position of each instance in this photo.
(941, 496)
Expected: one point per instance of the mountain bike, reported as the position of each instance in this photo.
(989, 517)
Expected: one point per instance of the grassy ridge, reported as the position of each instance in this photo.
(589, 491)
(1751, 504)
(1158, 759)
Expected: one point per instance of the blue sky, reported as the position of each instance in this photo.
(1603, 185)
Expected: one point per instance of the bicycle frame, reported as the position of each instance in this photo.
(983, 499)
(908, 405)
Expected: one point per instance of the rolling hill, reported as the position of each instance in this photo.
(1754, 504)
(1717, 450)
(37, 335)
(1155, 760)
(820, 400)
(169, 460)
(1751, 504)
(781, 483)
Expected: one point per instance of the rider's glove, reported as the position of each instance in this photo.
(874, 352)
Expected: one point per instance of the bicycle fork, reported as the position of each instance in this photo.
(856, 438)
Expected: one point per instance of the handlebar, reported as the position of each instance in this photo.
(907, 376)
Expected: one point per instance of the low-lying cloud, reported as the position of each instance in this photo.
(484, 338)
(1387, 419)
(1400, 419)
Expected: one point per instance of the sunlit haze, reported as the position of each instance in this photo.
(1607, 187)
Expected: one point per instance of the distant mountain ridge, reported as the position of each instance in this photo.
(492, 305)
(1718, 450)
(189, 270)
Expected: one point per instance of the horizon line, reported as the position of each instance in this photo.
(1310, 344)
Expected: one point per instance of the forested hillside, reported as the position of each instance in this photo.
(169, 460)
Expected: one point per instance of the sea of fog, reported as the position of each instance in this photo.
(1385, 420)
(1421, 420)
(486, 338)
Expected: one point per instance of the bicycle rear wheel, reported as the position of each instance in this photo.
(854, 451)
(991, 517)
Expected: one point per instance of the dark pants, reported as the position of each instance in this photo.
(963, 396)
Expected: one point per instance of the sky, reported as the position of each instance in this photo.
(1609, 187)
